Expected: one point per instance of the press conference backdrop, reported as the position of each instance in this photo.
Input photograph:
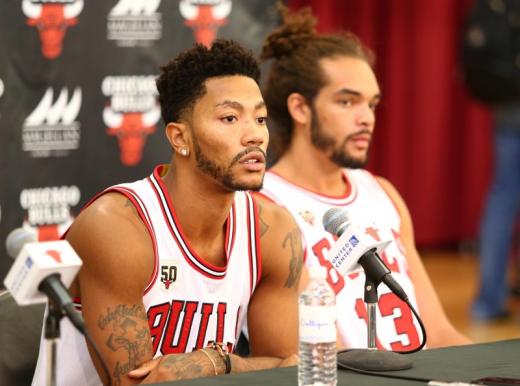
(78, 103)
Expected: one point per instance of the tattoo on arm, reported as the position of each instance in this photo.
(263, 225)
(293, 241)
(185, 366)
(127, 335)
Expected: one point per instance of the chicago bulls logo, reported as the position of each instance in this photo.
(48, 210)
(168, 274)
(205, 17)
(131, 130)
(131, 114)
(52, 18)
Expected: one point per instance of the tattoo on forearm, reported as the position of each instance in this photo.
(127, 333)
(293, 241)
(186, 366)
(263, 225)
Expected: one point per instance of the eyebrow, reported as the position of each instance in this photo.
(237, 105)
(355, 93)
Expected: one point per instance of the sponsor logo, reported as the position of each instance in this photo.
(354, 241)
(52, 129)
(54, 255)
(52, 18)
(205, 17)
(168, 274)
(48, 210)
(134, 22)
(131, 114)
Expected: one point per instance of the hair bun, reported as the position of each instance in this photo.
(296, 28)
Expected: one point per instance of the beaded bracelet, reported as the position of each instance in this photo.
(222, 352)
(211, 360)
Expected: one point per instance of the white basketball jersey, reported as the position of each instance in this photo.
(371, 209)
(189, 302)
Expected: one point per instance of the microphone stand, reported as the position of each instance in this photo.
(372, 359)
(52, 335)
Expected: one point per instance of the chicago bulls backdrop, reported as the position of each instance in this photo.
(78, 103)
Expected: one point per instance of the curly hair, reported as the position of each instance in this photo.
(181, 82)
(297, 49)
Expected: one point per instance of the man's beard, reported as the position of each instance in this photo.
(325, 143)
(224, 174)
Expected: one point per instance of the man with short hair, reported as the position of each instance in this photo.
(322, 94)
(173, 263)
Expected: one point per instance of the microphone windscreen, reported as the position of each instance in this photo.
(17, 239)
(333, 219)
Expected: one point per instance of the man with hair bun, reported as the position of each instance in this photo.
(321, 94)
(173, 263)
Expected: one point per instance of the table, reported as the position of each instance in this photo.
(461, 363)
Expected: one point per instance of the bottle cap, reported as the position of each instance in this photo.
(317, 272)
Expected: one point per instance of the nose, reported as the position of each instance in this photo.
(255, 134)
(367, 116)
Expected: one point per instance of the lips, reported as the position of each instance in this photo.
(252, 158)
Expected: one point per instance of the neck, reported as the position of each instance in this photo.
(306, 166)
(201, 207)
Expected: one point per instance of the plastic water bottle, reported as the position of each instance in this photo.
(317, 350)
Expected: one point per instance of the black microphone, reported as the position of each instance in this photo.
(358, 249)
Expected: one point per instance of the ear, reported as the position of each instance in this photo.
(299, 109)
(177, 134)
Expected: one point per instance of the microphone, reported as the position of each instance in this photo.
(354, 248)
(42, 270)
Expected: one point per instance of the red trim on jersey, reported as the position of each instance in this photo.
(193, 259)
(258, 254)
(131, 195)
(345, 199)
(249, 251)
(128, 193)
(230, 232)
(264, 196)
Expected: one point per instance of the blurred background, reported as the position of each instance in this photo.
(78, 112)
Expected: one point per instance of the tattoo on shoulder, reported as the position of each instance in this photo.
(293, 241)
(263, 225)
(128, 335)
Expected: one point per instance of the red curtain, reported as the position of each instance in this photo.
(432, 141)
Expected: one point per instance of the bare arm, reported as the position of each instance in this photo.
(439, 329)
(273, 311)
(117, 263)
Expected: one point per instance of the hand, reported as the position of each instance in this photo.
(289, 361)
(145, 369)
(173, 367)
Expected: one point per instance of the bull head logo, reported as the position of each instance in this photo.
(205, 17)
(131, 130)
(52, 21)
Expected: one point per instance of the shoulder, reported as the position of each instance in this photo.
(280, 237)
(110, 237)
